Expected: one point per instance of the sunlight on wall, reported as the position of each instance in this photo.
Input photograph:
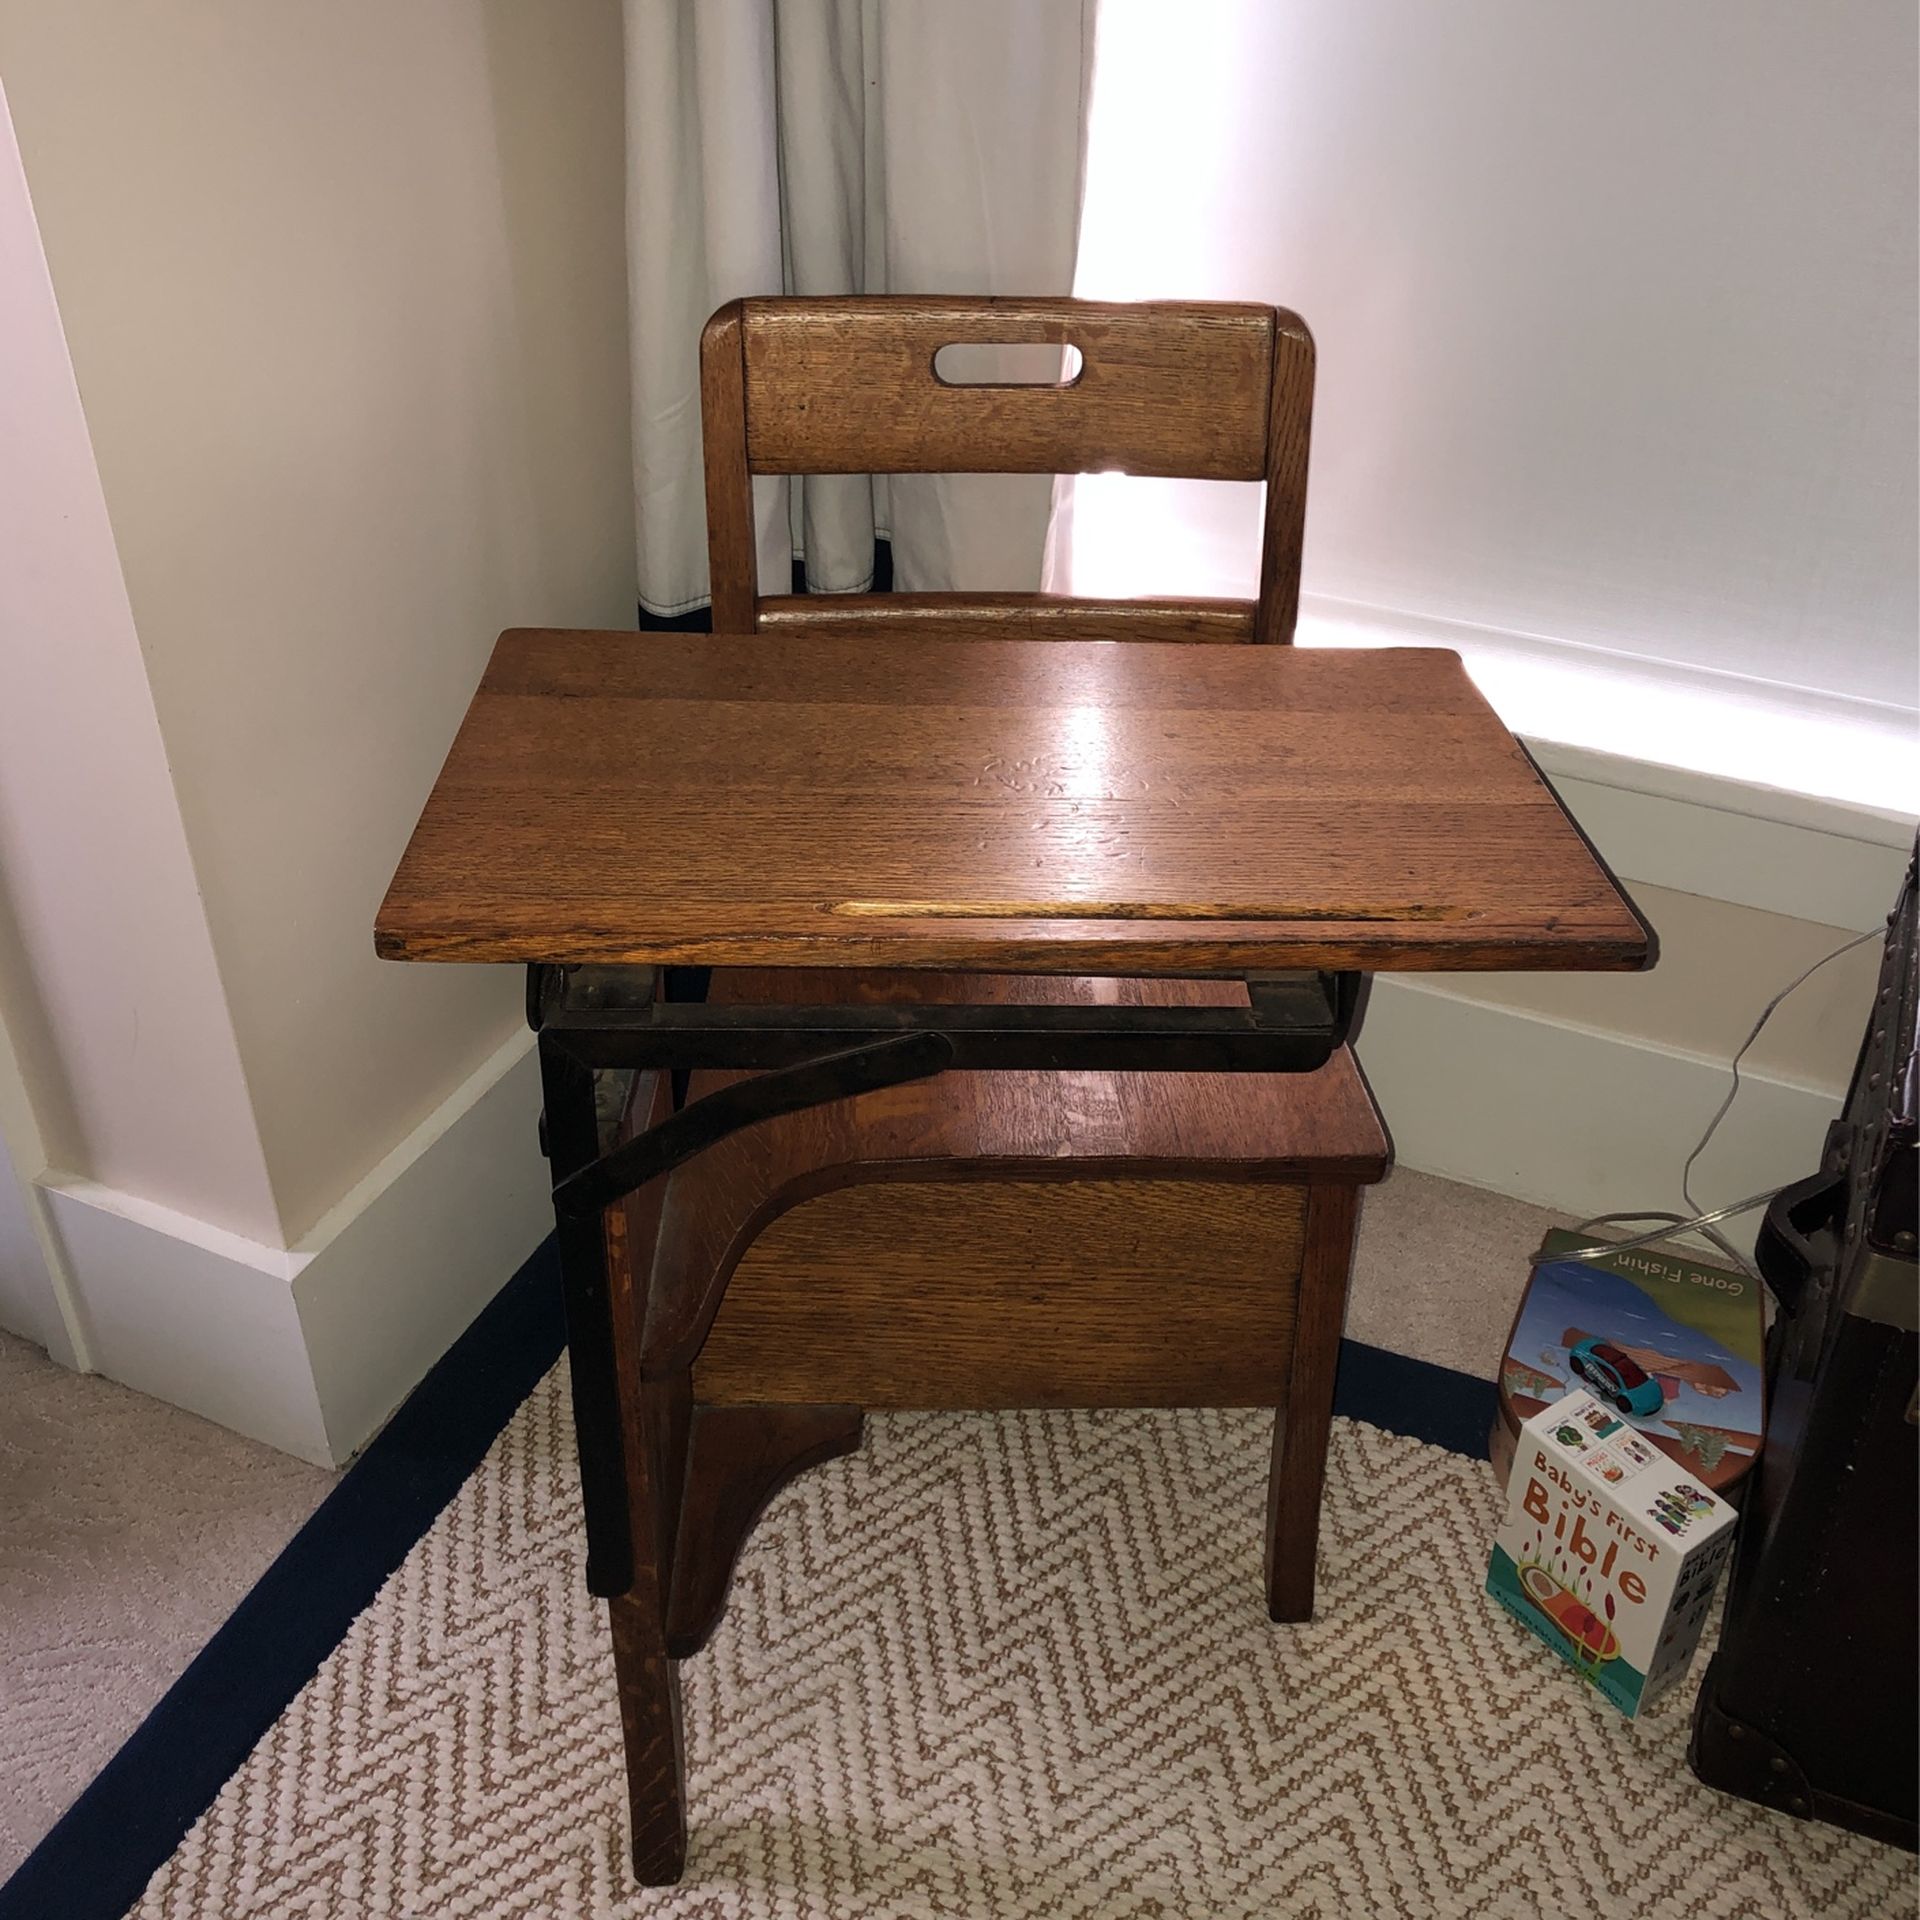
(1570, 419)
(1156, 69)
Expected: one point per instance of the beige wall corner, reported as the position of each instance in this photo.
(342, 293)
(345, 291)
(192, 1315)
(110, 985)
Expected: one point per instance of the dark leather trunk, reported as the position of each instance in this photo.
(1811, 1703)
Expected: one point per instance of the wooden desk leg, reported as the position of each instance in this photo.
(650, 1724)
(1302, 1424)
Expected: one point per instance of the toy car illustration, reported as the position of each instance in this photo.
(1621, 1382)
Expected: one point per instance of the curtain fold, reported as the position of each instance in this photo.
(836, 147)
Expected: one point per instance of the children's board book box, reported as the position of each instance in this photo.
(1671, 1346)
(1609, 1550)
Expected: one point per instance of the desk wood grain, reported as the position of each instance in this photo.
(993, 805)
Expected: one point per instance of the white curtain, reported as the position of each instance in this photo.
(835, 147)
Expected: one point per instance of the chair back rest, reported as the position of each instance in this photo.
(1177, 390)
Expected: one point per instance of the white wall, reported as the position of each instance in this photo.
(1588, 1093)
(125, 1045)
(1617, 311)
(1616, 304)
(344, 291)
(27, 1303)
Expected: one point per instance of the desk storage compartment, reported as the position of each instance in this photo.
(988, 1293)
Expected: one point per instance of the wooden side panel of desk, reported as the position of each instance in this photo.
(1134, 1293)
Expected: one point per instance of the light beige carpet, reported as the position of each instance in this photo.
(999, 1665)
(128, 1531)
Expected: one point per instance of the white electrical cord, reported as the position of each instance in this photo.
(1702, 1223)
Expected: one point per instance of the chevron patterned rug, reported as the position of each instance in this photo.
(997, 1665)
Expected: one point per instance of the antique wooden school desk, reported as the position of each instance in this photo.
(618, 802)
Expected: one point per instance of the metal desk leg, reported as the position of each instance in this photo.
(629, 1483)
(572, 1132)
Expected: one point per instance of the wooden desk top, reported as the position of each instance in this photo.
(1011, 806)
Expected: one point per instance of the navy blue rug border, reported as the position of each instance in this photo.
(98, 1858)
(1417, 1398)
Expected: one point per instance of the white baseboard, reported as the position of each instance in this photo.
(397, 1271)
(1835, 865)
(1570, 1117)
(309, 1349)
(189, 1313)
